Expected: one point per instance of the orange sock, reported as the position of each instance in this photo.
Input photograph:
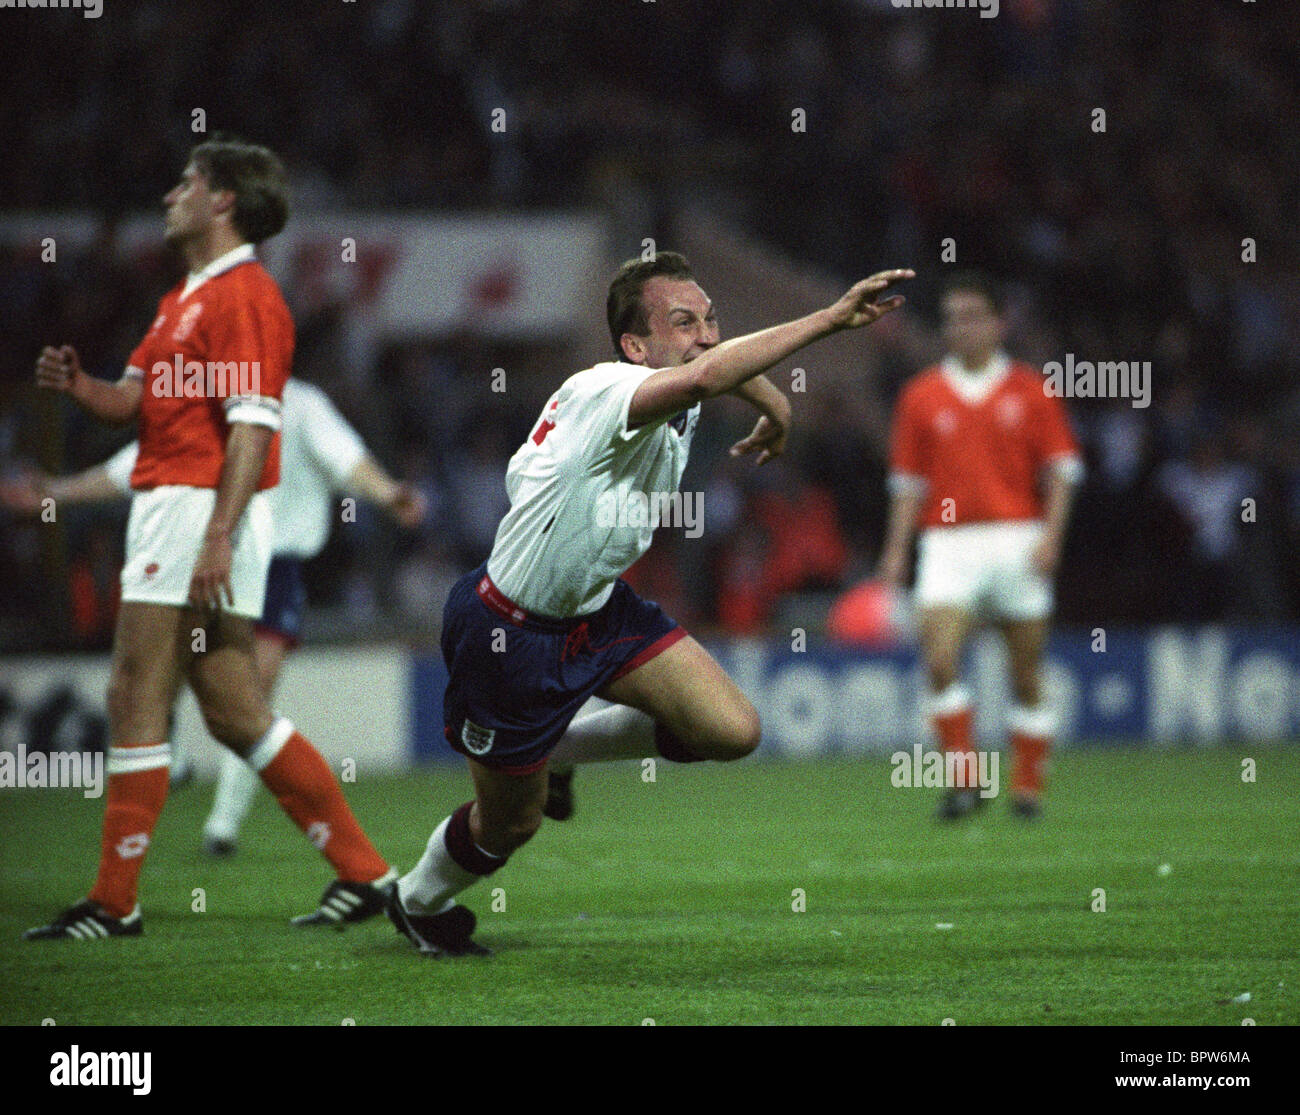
(955, 730)
(137, 789)
(1028, 754)
(293, 770)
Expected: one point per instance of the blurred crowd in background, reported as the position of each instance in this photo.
(1117, 244)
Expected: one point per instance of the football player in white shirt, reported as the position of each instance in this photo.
(321, 455)
(546, 623)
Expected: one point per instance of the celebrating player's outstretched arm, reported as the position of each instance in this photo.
(859, 307)
(704, 368)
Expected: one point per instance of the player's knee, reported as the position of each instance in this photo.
(741, 734)
(749, 734)
(232, 726)
(1026, 689)
(221, 728)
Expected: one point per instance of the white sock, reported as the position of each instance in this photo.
(617, 732)
(270, 745)
(429, 886)
(956, 698)
(1038, 720)
(180, 762)
(235, 789)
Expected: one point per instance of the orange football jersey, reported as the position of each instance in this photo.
(231, 337)
(985, 457)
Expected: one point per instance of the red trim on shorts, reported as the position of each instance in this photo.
(498, 602)
(519, 772)
(652, 651)
(290, 642)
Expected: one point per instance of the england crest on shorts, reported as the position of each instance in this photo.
(477, 739)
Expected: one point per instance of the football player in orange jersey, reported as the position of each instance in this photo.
(984, 463)
(205, 384)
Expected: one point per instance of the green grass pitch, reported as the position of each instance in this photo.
(675, 901)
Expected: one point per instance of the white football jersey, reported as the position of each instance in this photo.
(318, 451)
(583, 491)
(120, 465)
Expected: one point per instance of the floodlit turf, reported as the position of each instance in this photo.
(673, 901)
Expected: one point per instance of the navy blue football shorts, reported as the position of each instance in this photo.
(286, 598)
(516, 680)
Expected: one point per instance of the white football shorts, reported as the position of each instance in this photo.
(163, 538)
(983, 567)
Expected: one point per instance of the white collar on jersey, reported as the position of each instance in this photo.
(196, 279)
(974, 386)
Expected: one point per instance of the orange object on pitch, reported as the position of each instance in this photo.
(865, 614)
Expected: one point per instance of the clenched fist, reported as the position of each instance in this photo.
(58, 368)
